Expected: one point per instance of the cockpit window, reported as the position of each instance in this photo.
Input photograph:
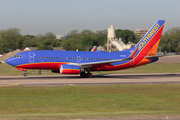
(18, 56)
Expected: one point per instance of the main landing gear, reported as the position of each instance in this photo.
(86, 75)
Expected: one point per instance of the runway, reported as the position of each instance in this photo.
(57, 80)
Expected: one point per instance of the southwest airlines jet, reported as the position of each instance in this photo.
(82, 62)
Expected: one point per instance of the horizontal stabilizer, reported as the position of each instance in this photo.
(156, 56)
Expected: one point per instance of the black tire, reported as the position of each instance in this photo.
(83, 74)
(25, 74)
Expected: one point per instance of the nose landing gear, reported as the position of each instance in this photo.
(25, 74)
(23, 69)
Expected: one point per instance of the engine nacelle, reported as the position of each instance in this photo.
(69, 69)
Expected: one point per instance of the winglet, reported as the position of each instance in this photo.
(131, 56)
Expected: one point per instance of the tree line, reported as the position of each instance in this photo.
(11, 39)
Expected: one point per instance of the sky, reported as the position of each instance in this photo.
(35, 17)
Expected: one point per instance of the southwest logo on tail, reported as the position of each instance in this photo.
(82, 62)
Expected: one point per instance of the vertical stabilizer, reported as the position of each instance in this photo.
(148, 45)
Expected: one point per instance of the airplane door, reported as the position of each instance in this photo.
(78, 59)
(31, 57)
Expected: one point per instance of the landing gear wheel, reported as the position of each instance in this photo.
(89, 75)
(83, 74)
(25, 74)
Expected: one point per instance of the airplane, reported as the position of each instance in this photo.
(94, 49)
(83, 62)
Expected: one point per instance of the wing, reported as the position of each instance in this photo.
(102, 63)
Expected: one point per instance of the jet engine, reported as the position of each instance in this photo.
(69, 69)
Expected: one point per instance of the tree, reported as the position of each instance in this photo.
(1, 46)
(170, 40)
(126, 35)
(86, 32)
(100, 37)
(49, 35)
(87, 41)
(30, 42)
(46, 45)
(29, 36)
(177, 49)
(11, 39)
(72, 44)
(72, 34)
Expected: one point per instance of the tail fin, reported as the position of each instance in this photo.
(94, 48)
(149, 43)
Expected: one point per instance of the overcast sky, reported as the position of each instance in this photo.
(61, 16)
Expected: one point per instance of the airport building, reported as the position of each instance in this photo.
(141, 32)
(61, 36)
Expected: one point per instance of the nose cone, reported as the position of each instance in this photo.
(10, 61)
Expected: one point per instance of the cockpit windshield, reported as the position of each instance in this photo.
(18, 56)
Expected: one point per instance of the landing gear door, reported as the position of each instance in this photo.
(31, 57)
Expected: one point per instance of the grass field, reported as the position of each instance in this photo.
(106, 101)
(100, 101)
(6, 70)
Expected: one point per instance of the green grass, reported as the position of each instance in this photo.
(6, 70)
(100, 101)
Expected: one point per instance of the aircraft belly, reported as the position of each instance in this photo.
(47, 65)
